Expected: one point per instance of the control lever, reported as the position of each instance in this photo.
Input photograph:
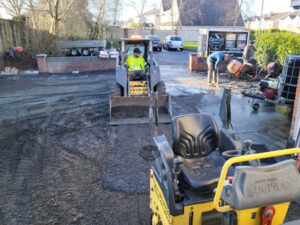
(176, 171)
(177, 162)
(250, 151)
(248, 146)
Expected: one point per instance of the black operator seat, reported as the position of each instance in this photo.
(195, 139)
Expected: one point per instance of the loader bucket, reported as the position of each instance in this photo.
(135, 109)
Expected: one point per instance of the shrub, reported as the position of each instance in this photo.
(114, 42)
(273, 46)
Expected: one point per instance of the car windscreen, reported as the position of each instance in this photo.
(176, 39)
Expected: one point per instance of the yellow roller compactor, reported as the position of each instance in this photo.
(130, 99)
(206, 178)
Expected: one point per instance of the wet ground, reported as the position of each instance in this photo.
(173, 57)
(61, 163)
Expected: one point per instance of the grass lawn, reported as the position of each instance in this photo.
(191, 45)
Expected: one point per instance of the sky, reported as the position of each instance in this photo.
(269, 6)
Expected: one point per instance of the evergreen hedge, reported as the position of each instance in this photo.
(273, 46)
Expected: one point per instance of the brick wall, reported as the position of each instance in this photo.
(296, 116)
(69, 64)
(199, 64)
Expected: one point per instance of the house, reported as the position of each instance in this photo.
(200, 13)
(150, 17)
(283, 21)
(290, 22)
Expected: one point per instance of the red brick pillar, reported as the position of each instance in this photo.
(126, 33)
(41, 62)
(296, 113)
(197, 64)
(193, 62)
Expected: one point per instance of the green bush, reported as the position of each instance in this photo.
(273, 46)
(115, 43)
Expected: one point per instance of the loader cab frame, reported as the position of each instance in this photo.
(127, 46)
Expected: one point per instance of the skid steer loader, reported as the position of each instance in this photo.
(130, 99)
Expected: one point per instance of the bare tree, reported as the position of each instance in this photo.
(116, 10)
(59, 10)
(184, 13)
(139, 7)
(244, 9)
(99, 10)
(13, 7)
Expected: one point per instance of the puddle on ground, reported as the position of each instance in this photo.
(146, 152)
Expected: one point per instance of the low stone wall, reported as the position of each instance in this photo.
(70, 64)
(199, 64)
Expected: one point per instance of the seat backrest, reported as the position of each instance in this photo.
(194, 136)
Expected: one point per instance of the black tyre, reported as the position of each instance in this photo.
(255, 106)
(181, 49)
(95, 53)
(85, 52)
(73, 52)
(116, 90)
(161, 88)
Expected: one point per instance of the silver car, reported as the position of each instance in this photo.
(173, 42)
(156, 42)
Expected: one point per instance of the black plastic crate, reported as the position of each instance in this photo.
(291, 73)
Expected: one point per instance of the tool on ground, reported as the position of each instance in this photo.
(281, 90)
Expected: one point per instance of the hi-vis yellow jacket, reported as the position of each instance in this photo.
(135, 64)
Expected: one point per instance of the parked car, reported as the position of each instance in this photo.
(113, 53)
(173, 42)
(104, 54)
(157, 45)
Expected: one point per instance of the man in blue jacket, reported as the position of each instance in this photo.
(213, 61)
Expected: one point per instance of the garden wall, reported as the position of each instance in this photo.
(70, 64)
(199, 64)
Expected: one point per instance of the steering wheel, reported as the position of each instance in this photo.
(231, 154)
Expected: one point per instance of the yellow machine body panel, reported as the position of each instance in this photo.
(138, 88)
(252, 216)
(161, 210)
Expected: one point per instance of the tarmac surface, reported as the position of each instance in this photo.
(61, 163)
